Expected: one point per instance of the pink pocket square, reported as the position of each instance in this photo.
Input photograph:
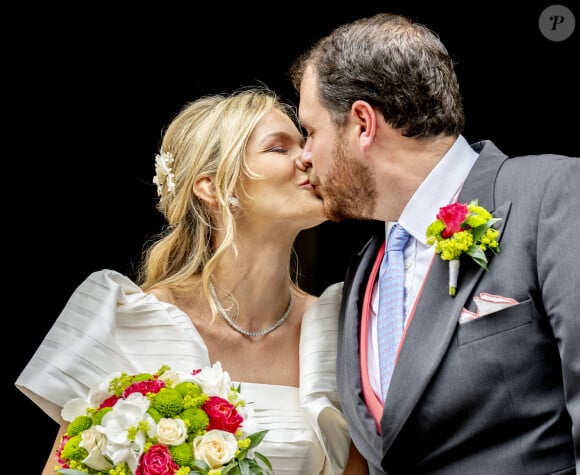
(486, 304)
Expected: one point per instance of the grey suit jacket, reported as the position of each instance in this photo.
(500, 394)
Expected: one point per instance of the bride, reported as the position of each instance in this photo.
(216, 285)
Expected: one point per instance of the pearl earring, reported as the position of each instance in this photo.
(233, 201)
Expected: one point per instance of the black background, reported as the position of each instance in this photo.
(89, 91)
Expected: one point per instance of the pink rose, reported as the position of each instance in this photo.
(222, 415)
(453, 216)
(157, 461)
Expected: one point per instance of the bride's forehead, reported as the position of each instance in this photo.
(275, 125)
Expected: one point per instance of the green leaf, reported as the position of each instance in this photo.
(200, 466)
(264, 459)
(478, 256)
(480, 230)
(256, 438)
(244, 465)
(231, 468)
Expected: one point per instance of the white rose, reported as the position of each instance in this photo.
(216, 448)
(214, 381)
(171, 431)
(171, 378)
(94, 443)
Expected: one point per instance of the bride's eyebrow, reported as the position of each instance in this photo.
(280, 136)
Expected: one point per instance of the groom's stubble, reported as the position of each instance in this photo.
(350, 191)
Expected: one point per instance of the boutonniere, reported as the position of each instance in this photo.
(462, 228)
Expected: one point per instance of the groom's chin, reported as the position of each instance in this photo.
(331, 212)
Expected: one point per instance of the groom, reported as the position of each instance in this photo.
(486, 381)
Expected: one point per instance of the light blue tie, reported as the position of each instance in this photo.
(391, 318)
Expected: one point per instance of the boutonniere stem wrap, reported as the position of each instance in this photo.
(462, 228)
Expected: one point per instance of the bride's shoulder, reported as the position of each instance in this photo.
(331, 294)
(110, 278)
(309, 299)
(163, 295)
(108, 287)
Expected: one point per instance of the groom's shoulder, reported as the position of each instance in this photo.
(542, 163)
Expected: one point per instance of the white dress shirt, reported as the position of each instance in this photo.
(439, 188)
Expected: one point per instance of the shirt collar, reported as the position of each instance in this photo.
(438, 189)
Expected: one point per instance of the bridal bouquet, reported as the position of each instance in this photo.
(162, 424)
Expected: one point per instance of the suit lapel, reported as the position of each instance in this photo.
(361, 424)
(435, 316)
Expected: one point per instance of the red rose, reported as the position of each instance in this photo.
(157, 461)
(62, 462)
(222, 415)
(109, 402)
(453, 216)
(145, 387)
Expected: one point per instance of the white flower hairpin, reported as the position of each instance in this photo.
(164, 174)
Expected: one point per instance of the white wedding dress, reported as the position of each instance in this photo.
(109, 324)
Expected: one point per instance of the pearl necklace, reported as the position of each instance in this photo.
(241, 330)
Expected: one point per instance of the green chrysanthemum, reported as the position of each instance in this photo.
(78, 425)
(195, 419)
(182, 454)
(168, 401)
(72, 450)
(97, 416)
(187, 388)
(434, 232)
(154, 413)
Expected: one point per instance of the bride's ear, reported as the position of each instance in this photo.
(204, 189)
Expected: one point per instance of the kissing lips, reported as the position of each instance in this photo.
(308, 185)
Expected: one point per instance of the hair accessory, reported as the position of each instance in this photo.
(241, 330)
(163, 173)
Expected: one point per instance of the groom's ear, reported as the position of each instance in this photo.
(204, 189)
(364, 118)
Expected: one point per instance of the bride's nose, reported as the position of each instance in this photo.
(303, 161)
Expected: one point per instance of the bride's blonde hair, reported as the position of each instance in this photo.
(207, 137)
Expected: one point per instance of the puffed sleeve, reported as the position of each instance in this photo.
(318, 390)
(108, 325)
